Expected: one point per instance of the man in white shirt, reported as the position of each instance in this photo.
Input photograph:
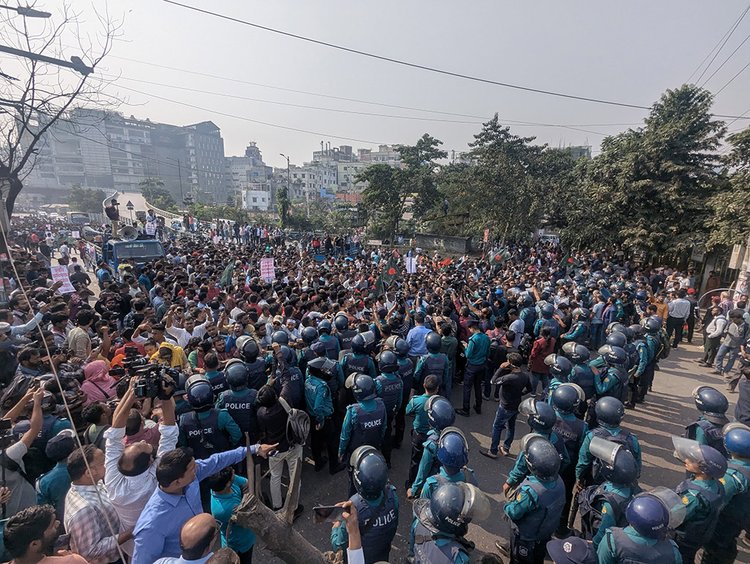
(517, 326)
(130, 472)
(679, 310)
(189, 328)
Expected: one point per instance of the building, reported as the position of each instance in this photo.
(249, 179)
(579, 152)
(344, 153)
(386, 154)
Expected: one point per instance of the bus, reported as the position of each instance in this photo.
(79, 218)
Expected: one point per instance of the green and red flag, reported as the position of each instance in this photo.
(499, 257)
(389, 274)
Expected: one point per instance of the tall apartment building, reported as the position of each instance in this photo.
(249, 179)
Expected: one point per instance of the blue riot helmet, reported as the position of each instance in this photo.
(359, 343)
(322, 367)
(541, 415)
(362, 386)
(433, 341)
(617, 338)
(648, 516)
(575, 353)
(401, 347)
(613, 355)
(341, 322)
(452, 450)
(451, 508)
(369, 472)
(548, 310)
(609, 411)
(249, 350)
(388, 362)
(559, 366)
(712, 404)
(281, 337)
(440, 413)
(236, 373)
(567, 397)
(618, 464)
(614, 327)
(527, 300)
(287, 354)
(651, 325)
(309, 334)
(710, 461)
(541, 457)
(641, 295)
(737, 439)
(638, 331)
(318, 348)
(324, 327)
(581, 314)
(200, 394)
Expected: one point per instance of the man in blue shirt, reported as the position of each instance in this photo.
(416, 337)
(476, 353)
(177, 499)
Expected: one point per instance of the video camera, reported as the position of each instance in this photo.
(156, 381)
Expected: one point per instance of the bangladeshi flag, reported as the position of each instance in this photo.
(568, 260)
(500, 256)
(390, 272)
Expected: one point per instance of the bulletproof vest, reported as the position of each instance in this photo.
(697, 532)
(618, 389)
(623, 438)
(539, 524)
(633, 357)
(642, 345)
(427, 550)
(571, 432)
(204, 436)
(712, 432)
(330, 344)
(292, 386)
(628, 551)
(345, 339)
(379, 524)
(241, 406)
(558, 443)
(585, 337)
(256, 377)
(219, 384)
(306, 355)
(368, 430)
(591, 501)
(434, 364)
(738, 508)
(391, 393)
(356, 363)
(584, 377)
(406, 372)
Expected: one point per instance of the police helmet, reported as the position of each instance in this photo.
(567, 397)
(440, 412)
(250, 350)
(366, 340)
(609, 411)
(651, 325)
(322, 367)
(433, 341)
(341, 322)
(619, 465)
(309, 334)
(527, 300)
(358, 344)
(648, 515)
(541, 415)
(453, 450)
(641, 295)
(629, 334)
(548, 310)
(236, 373)
(287, 354)
(617, 339)
(369, 472)
(362, 386)
(575, 352)
(387, 362)
(737, 439)
(559, 366)
(638, 331)
(200, 394)
(324, 327)
(614, 327)
(318, 348)
(401, 347)
(613, 355)
(710, 461)
(712, 403)
(451, 508)
(583, 314)
(281, 337)
(541, 457)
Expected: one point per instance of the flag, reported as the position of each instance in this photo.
(226, 276)
(445, 263)
(499, 257)
(568, 261)
(389, 274)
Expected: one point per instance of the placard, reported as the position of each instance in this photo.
(267, 269)
(411, 265)
(60, 274)
(76, 235)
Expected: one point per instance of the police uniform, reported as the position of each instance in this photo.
(645, 382)
(734, 517)
(584, 377)
(623, 546)
(579, 333)
(320, 407)
(364, 424)
(572, 431)
(208, 432)
(428, 463)
(345, 338)
(390, 389)
(554, 327)
(332, 345)
(644, 358)
(438, 365)
(256, 374)
(438, 548)
(602, 507)
(612, 383)
(520, 469)
(420, 430)
(703, 500)
(406, 373)
(587, 469)
(240, 404)
(707, 433)
(290, 386)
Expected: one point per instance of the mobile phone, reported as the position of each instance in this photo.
(327, 513)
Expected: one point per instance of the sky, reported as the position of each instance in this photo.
(628, 52)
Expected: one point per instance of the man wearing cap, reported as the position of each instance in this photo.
(572, 550)
(53, 486)
(113, 213)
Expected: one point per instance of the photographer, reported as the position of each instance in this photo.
(130, 471)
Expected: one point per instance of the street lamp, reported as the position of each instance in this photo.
(27, 11)
(130, 207)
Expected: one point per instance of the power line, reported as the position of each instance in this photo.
(730, 81)
(407, 63)
(726, 60)
(723, 37)
(728, 36)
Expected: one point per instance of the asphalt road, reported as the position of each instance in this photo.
(667, 410)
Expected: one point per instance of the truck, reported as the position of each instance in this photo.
(136, 251)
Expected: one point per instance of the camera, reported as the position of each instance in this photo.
(154, 381)
(133, 358)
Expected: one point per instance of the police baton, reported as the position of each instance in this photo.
(574, 505)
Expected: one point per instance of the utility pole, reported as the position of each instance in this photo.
(179, 175)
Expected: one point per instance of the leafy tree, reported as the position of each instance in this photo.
(86, 200)
(155, 194)
(730, 222)
(283, 205)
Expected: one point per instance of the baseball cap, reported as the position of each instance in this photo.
(572, 550)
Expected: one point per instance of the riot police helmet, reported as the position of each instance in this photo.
(433, 341)
(542, 417)
(548, 310)
(388, 362)
(559, 366)
(341, 322)
(452, 449)
(737, 439)
(541, 456)
(712, 404)
(613, 355)
(324, 327)
(236, 373)
(618, 463)
(369, 472)
(709, 460)
(451, 508)
(401, 347)
(651, 325)
(309, 334)
(281, 337)
(617, 339)
(440, 412)
(609, 411)
(200, 394)
(648, 516)
(250, 350)
(362, 386)
(567, 397)
(322, 367)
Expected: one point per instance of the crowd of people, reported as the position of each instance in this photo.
(136, 400)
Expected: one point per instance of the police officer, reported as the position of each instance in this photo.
(536, 506)
(343, 332)
(612, 379)
(702, 494)
(735, 516)
(331, 343)
(565, 400)
(707, 430)
(256, 367)
(377, 506)
(320, 407)
(603, 506)
(390, 389)
(559, 370)
(609, 413)
(309, 336)
(528, 314)
(365, 420)
(582, 375)
(239, 400)
(652, 327)
(580, 331)
(542, 419)
(357, 361)
(548, 310)
(417, 407)
(644, 539)
(440, 414)
(207, 430)
(406, 373)
(643, 353)
(434, 362)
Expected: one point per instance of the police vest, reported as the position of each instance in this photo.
(633, 357)
(406, 372)
(712, 433)
(379, 524)
(584, 377)
(618, 389)
(368, 429)
(204, 435)
(390, 393)
(345, 339)
(356, 364)
(642, 346)
(430, 449)
(592, 499)
(539, 524)
(292, 386)
(428, 551)
(256, 377)
(697, 532)
(241, 406)
(305, 356)
(737, 511)
(628, 551)
(624, 438)
(331, 348)
(436, 365)
(218, 384)
(529, 318)
(571, 433)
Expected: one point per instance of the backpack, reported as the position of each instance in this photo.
(297, 424)
(665, 348)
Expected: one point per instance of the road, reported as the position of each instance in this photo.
(668, 409)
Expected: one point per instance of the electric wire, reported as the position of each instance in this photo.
(730, 81)
(728, 36)
(725, 61)
(723, 39)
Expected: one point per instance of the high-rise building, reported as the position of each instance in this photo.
(249, 179)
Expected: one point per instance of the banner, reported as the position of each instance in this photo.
(60, 274)
(75, 235)
(267, 269)
(411, 265)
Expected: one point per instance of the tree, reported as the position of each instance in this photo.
(283, 205)
(40, 92)
(155, 194)
(86, 200)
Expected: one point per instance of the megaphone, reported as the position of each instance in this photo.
(128, 233)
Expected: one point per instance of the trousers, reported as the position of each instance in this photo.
(473, 379)
(276, 463)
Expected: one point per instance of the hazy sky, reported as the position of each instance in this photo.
(625, 51)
